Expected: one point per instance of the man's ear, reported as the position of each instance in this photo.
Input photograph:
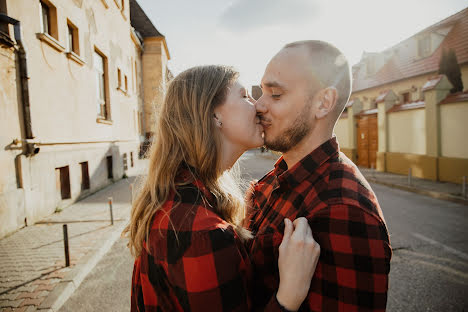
(326, 102)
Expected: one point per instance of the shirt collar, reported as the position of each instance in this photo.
(186, 175)
(307, 165)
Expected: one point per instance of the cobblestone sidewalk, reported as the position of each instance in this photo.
(32, 261)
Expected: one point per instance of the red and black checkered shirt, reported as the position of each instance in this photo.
(346, 220)
(196, 260)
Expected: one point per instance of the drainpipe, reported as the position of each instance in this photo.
(31, 148)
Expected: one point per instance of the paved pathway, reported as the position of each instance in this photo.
(32, 261)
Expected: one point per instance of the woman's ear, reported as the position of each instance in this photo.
(217, 120)
(326, 102)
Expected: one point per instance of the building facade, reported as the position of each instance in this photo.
(402, 116)
(77, 100)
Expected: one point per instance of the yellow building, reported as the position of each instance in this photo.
(79, 83)
(401, 115)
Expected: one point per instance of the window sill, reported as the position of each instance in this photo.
(75, 57)
(102, 120)
(51, 41)
(104, 2)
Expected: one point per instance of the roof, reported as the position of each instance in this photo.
(407, 106)
(432, 82)
(456, 97)
(141, 22)
(402, 65)
(368, 112)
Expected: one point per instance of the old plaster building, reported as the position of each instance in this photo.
(401, 114)
(79, 81)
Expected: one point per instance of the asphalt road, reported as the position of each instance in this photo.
(429, 270)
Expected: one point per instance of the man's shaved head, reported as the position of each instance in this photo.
(329, 66)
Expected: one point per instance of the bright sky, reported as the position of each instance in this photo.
(247, 33)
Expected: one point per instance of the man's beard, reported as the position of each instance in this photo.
(294, 135)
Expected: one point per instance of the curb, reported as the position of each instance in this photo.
(67, 286)
(433, 194)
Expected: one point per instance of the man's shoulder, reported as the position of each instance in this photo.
(347, 186)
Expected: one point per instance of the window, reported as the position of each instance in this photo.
(62, 176)
(119, 78)
(84, 176)
(72, 39)
(49, 19)
(125, 162)
(405, 97)
(3, 9)
(424, 46)
(370, 66)
(126, 84)
(45, 18)
(131, 159)
(136, 77)
(110, 173)
(100, 68)
(140, 123)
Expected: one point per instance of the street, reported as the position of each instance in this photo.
(428, 271)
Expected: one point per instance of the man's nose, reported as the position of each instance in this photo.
(260, 105)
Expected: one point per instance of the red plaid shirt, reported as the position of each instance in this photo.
(346, 220)
(196, 261)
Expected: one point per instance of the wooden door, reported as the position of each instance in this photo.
(367, 141)
(373, 136)
(62, 182)
(362, 142)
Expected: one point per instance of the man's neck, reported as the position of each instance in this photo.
(305, 147)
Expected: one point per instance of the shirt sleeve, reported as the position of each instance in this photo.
(352, 273)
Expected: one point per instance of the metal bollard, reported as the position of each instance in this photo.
(464, 187)
(65, 244)
(110, 209)
(409, 177)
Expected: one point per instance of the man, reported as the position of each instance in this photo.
(305, 89)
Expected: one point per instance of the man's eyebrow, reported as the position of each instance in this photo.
(271, 84)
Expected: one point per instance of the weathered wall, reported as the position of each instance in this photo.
(64, 108)
(454, 130)
(342, 134)
(154, 79)
(12, 209)
(406, 132)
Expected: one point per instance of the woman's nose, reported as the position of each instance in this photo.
(260, 105)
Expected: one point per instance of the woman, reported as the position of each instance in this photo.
(185, 229)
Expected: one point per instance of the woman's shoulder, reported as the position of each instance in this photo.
(185, 225)
(188, 209)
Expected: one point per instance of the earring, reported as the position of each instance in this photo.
(220, 123)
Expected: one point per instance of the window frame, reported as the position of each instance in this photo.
(102, 79)
(4, 26)
(406, 97)
(75, 38)
(51, 28)
(424, 50)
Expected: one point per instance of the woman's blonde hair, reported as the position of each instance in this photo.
(186, 134)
